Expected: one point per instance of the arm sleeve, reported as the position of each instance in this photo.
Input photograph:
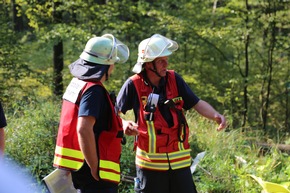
(93, 102)
(127, 98)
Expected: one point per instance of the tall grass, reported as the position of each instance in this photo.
(31, 134)
(231, 155)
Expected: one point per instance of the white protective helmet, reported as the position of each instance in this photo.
(154, 47)
(105, 50)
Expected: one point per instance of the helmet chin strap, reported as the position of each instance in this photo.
(154, 70)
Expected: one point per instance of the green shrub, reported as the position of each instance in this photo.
(231, 155)
(31, 134)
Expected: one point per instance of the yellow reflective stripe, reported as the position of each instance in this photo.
(180, 146)
(105, 175)
(152, 137)
(176, 99)
(182, 134)
(67, 163)
(179, 159)
(152, 165)
(180, 164)
(69, 152)
(151, 156)
(110, 165)
(179, 154)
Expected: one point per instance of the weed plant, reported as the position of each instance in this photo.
(231, 155)
(31, 136)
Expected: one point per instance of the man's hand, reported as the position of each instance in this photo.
(94, 171)
(221, 120)
(130, 128)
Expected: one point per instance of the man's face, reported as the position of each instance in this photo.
(161, 65)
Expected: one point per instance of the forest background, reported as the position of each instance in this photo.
(232, 53)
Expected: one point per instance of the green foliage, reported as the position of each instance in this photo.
(31, 134)
(211, 58)
(230, 156)
(211, 55)
(128, 165)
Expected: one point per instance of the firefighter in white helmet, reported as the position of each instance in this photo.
(90, 132)
(158, 97)
(151, 48)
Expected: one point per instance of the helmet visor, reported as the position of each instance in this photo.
(158, 46)
(120, 52)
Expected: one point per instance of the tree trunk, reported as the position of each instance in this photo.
(57, 56)
(247, 39)
(17, 21)
(57, 68)
(287, 114)
(272, 41)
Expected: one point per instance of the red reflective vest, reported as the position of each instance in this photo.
(160, 147)
(67, 152)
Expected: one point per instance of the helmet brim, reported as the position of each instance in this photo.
(85, 56)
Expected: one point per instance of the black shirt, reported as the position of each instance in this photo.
(94, 102)
(3, 122)
(128, 99)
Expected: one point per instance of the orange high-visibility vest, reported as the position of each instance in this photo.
(160, 147)
(68, 154)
